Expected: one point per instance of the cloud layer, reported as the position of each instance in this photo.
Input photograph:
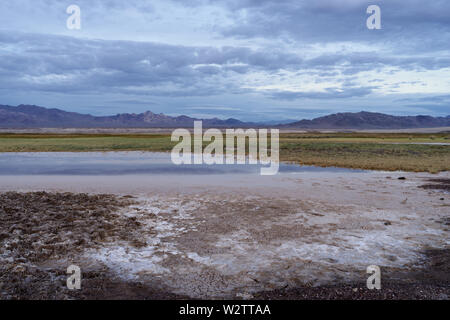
(256, 60)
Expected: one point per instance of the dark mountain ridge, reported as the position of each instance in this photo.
(30, 116)
(370, 120)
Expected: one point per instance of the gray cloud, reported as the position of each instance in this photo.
(412, 25)
(329, 93)
(62, 64)
(262, 44)
(58, 63)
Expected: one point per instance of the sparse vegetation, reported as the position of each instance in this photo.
(379, 151)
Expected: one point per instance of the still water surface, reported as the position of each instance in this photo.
(122, 163)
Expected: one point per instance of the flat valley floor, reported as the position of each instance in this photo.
(291, 236)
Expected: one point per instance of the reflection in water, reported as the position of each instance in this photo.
(120, 163)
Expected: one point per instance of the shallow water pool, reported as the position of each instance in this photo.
(122, 163)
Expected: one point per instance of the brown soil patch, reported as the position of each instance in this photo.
(438, 184)
(431, 282)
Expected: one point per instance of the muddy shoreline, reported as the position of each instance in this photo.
(432, 282)
(41, 233)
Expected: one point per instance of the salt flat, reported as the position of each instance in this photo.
(230, 235)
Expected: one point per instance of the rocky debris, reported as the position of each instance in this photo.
(38, 227)
(438, 184)
(33, 283)
(429, 283)
(390, 291)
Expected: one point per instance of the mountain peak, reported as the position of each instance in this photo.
(370, 120)
(30, 116)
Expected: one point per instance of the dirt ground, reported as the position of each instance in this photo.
(169, 130)
(300, 237)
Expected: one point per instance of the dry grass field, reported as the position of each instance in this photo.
(417, 152)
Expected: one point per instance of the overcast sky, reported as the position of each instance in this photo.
(254, 60)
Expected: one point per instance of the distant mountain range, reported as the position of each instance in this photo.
(29, 116)
(370, 120)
